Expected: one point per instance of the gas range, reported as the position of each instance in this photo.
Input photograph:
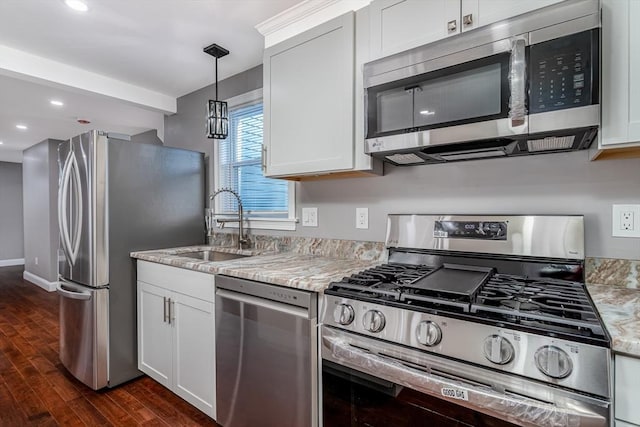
(504, 294)
(552, 307)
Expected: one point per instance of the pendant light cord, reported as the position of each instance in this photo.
(216, 78)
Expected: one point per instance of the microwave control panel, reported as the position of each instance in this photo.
(562, 74)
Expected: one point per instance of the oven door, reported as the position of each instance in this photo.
(368, 382)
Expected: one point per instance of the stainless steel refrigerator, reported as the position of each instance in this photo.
(116, 197)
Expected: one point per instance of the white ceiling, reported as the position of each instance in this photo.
(151, 45)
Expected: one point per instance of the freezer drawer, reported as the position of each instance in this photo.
(84, 329)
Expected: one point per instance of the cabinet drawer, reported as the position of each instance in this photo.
(627, 378)
(188, 282)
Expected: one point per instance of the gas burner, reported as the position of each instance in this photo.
(549, 305)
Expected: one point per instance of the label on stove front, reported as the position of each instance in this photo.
(455, 393)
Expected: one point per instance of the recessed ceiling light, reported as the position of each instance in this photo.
(21, 127)
(56, 103)
(1, 142)
(78, 5)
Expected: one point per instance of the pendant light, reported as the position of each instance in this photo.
(217, 111)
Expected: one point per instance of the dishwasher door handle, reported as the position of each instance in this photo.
(264, 303)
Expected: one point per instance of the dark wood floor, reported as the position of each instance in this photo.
(35, 389)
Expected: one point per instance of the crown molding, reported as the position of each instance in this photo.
(293, 14)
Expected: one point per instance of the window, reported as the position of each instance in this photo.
(267, 202)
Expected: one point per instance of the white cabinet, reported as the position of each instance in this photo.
(176, 334)
(398, 25)
(620, 74)
(478, 13)
(309, 104)
(154, 333)
(627, 381)
(308, 100)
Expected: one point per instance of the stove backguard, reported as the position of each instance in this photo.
(511, 236)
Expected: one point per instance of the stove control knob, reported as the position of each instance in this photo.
(343, 314)
(373, 321)
(429, 333)
(498, 350)
(553, 361)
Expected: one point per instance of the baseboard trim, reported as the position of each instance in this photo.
(11, 262)
(39, 281)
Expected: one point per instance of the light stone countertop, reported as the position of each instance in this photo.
(302, 271)
(619, 309)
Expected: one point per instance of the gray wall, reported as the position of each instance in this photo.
(40, 177)
(148, 137)
(186, 128)
(11, 240)
(565, 183)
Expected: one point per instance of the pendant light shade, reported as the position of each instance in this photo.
(217, 119)
(217, 111)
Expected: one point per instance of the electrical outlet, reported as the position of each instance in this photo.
(625, 221)
(362, 217)
(36, 261)
(309, 217)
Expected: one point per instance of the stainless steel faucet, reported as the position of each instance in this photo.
(242, 238)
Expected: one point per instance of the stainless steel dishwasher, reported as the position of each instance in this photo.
(266, 355)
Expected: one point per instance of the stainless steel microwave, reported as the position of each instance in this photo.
(526, 85)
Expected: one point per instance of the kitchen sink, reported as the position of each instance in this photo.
(212, 255)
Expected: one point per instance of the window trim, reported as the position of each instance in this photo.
(289, 223)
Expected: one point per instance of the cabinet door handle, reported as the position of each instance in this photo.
(172, 307)
(165, 316)
(264, 158)
(467, 19)
(452, 25)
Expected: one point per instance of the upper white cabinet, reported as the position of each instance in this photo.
(627, 377)
(620, 74)
(478, 13)
(308, 101)
(311, 123)
(176, 335)
(398, 25)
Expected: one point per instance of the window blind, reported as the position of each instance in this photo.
(240, 168)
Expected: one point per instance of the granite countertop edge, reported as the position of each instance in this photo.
(619, 309)
(307, 272)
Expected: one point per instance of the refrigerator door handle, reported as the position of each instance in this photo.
(78, 218)
(67, 292)
(62, 209)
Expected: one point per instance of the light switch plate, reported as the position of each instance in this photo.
(362, 218)
(309, 217)
(625, 221)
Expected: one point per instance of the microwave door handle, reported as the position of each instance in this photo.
(62, 209)
(517, 83)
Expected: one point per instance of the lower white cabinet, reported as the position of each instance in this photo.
(627, 380)
(176, 333)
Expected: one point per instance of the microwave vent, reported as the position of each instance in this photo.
(405, 159)
(551, 143)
